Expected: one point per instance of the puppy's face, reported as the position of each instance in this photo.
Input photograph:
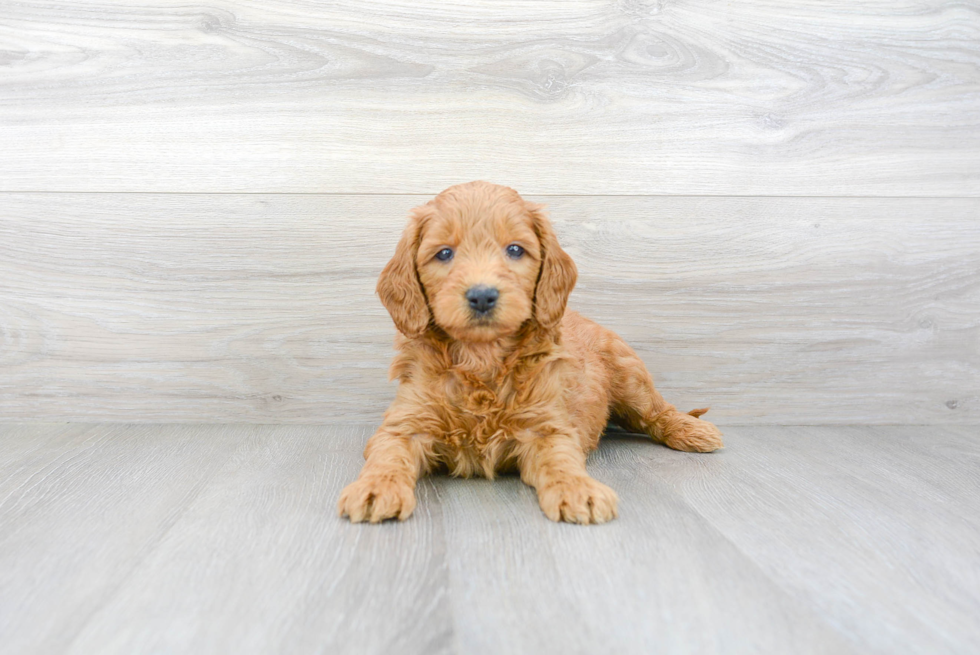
(478, 266)
(478, 261)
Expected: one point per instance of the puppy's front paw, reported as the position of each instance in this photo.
(376, 498)
(691, 434)
(578, 500)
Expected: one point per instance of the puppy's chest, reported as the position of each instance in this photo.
(481, 426)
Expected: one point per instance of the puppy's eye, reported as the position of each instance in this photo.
(514, 251)
(445, 254)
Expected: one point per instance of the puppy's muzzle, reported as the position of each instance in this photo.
(482, 299)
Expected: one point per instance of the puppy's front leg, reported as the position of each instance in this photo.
(386, 486)
(555, 466)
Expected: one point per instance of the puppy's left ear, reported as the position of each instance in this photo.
(558, 273)
(399, 287)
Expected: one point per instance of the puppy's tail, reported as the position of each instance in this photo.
(696, 413)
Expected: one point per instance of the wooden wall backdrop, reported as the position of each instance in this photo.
(776, 202)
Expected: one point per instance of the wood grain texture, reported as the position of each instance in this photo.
(80, 512)
(223, 539)
(260, 563)
(131, 307)
(769, 97)
(657, 580)
(858, 521)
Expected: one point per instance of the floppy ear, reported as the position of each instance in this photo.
(399, 287)
(558, 273)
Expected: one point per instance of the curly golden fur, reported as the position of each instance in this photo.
(523, 385)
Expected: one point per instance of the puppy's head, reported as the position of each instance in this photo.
(478, 261)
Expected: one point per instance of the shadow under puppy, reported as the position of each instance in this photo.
(494, 374)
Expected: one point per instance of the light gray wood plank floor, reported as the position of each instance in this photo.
(223, 539)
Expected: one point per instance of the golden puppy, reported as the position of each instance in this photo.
(494, 374)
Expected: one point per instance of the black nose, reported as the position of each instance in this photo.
(482, 298)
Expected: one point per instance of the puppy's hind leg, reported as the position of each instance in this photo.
(638, 406)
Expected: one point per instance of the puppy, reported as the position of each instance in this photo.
(494, 374)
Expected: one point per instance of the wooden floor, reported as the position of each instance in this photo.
(208, 539)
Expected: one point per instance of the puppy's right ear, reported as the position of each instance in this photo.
(558, 273)
(399, 287)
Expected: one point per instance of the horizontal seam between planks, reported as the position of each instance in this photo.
(529, 194)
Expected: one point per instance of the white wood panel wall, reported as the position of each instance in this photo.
(163, 307)
(846, 97)
(777, 203)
